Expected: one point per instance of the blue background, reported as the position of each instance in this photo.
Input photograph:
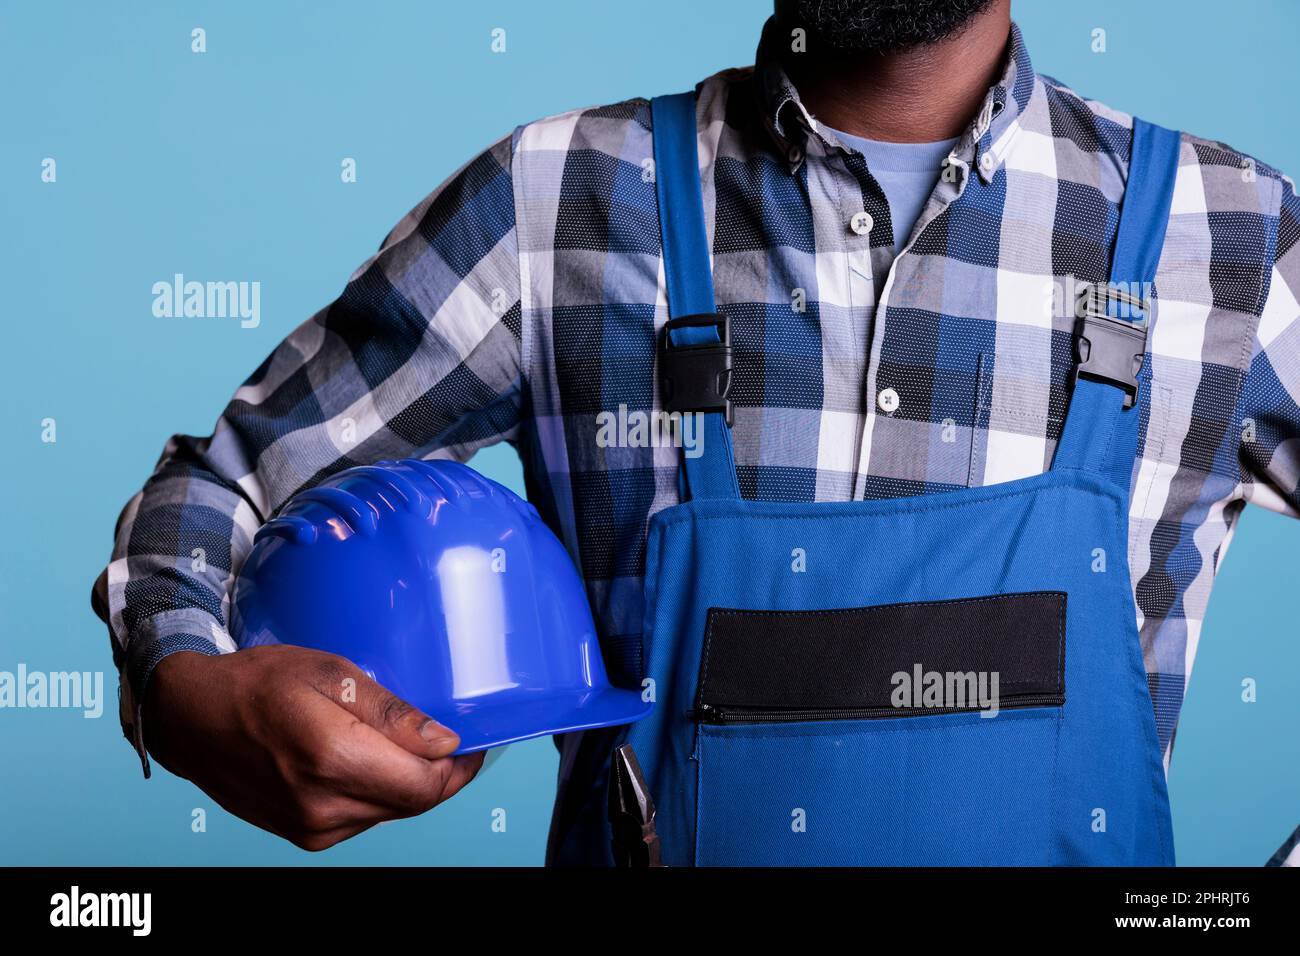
(226, 165)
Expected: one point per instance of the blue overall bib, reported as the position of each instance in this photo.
(808, 660)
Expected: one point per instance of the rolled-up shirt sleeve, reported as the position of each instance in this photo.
(419, 356)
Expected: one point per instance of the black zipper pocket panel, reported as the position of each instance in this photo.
(990, 653)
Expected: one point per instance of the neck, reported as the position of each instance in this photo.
(920, 95)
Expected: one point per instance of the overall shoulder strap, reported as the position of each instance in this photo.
(694, 352)
(1101, 427)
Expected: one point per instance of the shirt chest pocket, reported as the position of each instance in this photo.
(1018, 414)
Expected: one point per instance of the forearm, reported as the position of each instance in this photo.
(176, 545)
(419, 355)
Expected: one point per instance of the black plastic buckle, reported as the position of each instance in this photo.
(1110, 349)
(696, 378)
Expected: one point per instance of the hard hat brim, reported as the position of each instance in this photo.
(514, 716)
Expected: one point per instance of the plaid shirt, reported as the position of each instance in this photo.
(521, 300)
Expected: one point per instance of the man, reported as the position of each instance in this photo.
(892, 192)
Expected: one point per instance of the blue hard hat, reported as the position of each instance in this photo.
(443, 586)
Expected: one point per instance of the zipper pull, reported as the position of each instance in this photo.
(706, 714)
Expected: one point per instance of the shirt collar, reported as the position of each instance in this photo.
(789, 123)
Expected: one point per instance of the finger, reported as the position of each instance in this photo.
(465, 767)
(448, 777)
(363, 763)
(399, 721)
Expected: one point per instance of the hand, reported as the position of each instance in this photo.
(272, 736)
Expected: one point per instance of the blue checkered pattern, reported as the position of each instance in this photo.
(522, 299)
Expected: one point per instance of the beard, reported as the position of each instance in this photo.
(878, 26)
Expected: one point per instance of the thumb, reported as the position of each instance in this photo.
(405, 725)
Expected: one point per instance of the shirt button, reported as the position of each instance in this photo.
(861, 223)
(987, 162)
(795, 154)
(887, 400)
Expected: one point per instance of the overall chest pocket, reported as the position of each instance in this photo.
(918, 733)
